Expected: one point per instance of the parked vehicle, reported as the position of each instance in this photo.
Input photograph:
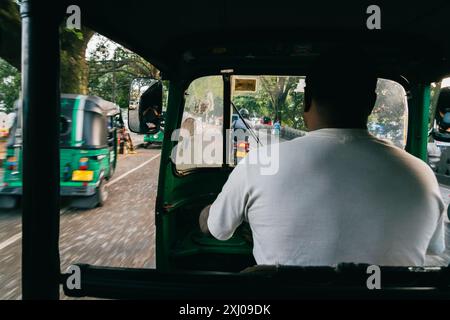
(88, 152)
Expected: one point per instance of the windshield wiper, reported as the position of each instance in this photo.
(246, 125)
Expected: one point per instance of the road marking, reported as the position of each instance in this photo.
(18, 236)
(10, 241)
(133, 170)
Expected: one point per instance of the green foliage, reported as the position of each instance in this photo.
(434, 96)
(388, 119)
(74, 68)
(112, 69)
(276, 98)
(9, 86)
(256, 105)
(292, 113)
(109, 77)
(78, 34)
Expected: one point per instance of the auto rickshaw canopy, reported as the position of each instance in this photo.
(93, 104)
(200, 37)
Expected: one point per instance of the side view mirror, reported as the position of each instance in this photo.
(145, 107)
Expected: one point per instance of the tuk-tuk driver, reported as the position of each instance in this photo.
(340, 194)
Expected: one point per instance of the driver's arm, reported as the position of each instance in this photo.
(437, 242)
(222, 218)
(203, 220)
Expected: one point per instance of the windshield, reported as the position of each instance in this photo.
(265, 110)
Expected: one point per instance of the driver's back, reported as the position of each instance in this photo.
(340, 195)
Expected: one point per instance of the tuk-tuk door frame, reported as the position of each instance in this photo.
(418, 119)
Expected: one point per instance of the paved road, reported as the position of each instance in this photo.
(120, 234)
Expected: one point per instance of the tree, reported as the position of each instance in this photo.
(112, 69)
(110, 76)
(293, 111)
(278, 89)
(10, 32)
(9, 86)
(276, 97)
(434, 96)
(74, 69)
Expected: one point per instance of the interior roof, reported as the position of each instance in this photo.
(198, 37)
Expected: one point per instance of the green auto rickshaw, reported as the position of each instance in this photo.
(88, 152)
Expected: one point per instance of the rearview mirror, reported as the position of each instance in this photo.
(145, 107)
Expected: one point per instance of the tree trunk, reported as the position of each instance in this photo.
(10, 33)
(74, 68)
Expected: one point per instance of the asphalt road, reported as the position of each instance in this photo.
(119, 234)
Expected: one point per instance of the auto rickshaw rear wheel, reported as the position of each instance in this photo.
(102, 193)
(112, 169)
(9, 202)
(96, 200)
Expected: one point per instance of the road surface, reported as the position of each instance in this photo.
(120, 234)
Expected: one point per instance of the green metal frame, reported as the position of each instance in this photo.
(175, 191)
(68, 156)
(162, 220)
(418, 119)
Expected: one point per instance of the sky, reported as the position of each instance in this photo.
(95, 40)
(445, 83)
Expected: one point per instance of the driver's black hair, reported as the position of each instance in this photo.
(342, 82)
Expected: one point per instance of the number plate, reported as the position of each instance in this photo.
(82, 175)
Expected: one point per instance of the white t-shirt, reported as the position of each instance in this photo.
(340, 195)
